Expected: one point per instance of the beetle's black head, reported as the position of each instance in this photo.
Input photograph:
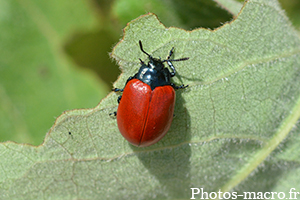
(154, 63)
(154, 73)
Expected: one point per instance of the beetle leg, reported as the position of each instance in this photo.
(172, 67)
(170, 63)
(170, 54)
(117, 90)
(129, 79)
(182, 86)
(121, 90)
(119, 99)
(113, 113)
(179, 87)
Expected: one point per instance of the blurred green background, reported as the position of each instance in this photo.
(54, 55)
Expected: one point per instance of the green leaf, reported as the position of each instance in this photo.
(38, 81)
(235, 127)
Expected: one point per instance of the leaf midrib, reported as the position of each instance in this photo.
(263, 153)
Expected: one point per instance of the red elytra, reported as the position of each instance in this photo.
(146, 107)
(144, 116)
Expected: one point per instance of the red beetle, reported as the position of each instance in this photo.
(146, 107)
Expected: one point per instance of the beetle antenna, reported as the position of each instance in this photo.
(141, 47)
(142, 62)
(180, 59)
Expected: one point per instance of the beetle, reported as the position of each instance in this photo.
(146, 107)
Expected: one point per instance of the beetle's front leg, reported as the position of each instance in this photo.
(179, 87)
